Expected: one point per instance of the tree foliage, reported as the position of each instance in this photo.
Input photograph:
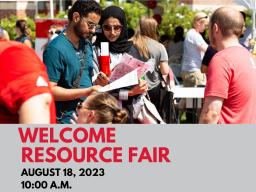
(9, 25)
(133, 11)
(175, 14)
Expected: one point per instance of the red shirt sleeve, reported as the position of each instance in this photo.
(23, 75)
(218, 77)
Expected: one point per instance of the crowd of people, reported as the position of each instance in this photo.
(64, 87)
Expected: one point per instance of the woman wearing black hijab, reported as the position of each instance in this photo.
(114, 31)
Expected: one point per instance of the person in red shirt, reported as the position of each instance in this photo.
(25, 95)
(230, 92)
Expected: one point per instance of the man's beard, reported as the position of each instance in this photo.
(79, 33)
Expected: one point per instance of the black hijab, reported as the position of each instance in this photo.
(121, 45)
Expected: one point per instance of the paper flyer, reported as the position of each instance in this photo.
(127, 80)
(116, 158)
(128, 64)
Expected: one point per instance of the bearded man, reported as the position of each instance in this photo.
(69, 59)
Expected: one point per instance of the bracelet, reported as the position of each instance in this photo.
(123, 94)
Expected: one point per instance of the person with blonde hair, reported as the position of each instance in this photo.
(147, 47)
(193, 51)
(53, 32)
(101, 108)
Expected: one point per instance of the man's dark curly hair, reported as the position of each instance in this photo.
(83, 7)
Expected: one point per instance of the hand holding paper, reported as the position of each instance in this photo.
(101, 79)
(127, 73)
(139, 89)
(125, 81)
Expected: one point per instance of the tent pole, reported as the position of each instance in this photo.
(51, 9)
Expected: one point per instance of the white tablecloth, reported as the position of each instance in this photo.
(193, 95)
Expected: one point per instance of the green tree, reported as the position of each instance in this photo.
(133, 11)
(175, 14)
(9, 25)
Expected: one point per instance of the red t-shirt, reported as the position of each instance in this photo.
(232, 76)
(22, 76)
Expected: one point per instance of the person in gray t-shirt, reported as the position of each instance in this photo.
(147, 47)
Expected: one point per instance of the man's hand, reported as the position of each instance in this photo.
(92, 89)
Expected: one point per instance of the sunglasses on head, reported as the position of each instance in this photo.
(112, 27)
(205, 17)
(54, 32)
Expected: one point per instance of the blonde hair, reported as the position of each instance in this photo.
(147, 28)
(200, 17)
(106, 109)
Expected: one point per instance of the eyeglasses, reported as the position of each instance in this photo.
(92, 25)
(81, 106)
(112, 27)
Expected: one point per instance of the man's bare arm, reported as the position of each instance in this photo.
(62, 94)
(211, 110)
(36, 110)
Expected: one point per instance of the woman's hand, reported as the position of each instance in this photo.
(102, 79)
(139, 89)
